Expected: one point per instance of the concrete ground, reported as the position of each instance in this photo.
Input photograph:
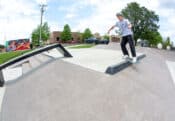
(95, 59)
(62, 91)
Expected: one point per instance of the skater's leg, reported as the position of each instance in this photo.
(132, 46)
(123, 46)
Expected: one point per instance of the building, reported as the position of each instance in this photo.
(114, 38)
(55, 36)
(76, 36)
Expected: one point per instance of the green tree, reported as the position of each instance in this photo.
(2, 46)
(87, 34)
(154, 38)
(45, 34)
(66, 34)
(144, 21)
(167, 42)
(106, 37)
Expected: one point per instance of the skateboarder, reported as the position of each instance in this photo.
(125, 30)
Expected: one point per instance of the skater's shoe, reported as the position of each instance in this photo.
(134, 60)
(125, 57)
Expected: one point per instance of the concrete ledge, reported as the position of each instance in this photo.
(119, 67)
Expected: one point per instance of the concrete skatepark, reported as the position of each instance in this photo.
(53, 88)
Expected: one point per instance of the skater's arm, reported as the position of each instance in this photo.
(111, 29)
(130, 26)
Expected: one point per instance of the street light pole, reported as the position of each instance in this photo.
(42, 10)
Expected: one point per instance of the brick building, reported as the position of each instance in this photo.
(115, 38)
(55, 36)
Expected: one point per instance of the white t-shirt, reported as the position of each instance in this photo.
(123, 27)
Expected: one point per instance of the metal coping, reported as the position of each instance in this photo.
(30, 54)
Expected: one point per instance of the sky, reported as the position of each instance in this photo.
(18, 18)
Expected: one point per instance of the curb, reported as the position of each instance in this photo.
(121, 66)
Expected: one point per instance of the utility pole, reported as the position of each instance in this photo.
(42, 10)
(6, 21)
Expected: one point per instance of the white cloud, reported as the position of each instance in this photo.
(71, 15)
(102, 18)
(104, 15)
(17, 19)
(42, 1)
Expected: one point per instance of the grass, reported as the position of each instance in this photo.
(82, 46)
(4, 57)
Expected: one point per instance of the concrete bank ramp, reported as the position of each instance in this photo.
(99, 59)
(64, 91)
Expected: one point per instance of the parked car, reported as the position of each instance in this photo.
(96, 41)
(103, 42)
(91, 40)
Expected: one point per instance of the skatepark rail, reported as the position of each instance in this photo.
(60, 48)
